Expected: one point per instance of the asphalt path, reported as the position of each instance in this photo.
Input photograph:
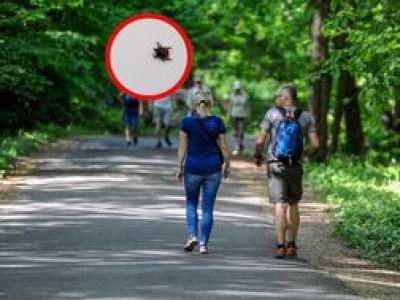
(96, 220)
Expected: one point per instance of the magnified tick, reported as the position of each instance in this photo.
(161, 52)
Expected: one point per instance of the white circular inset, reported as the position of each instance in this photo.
(148, 56)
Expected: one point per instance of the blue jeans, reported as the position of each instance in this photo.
(209, 184)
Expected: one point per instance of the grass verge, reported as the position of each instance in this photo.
(14, 147)
(367, 199)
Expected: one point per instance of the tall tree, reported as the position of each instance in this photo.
(321, 85)
(366, 56)
(347, 104)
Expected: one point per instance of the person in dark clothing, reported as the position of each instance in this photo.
(132, 107)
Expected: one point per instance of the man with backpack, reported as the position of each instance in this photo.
(286, 129)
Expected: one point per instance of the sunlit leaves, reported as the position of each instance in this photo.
(374, 45)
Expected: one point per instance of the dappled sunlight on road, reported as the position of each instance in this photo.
(354, 277)
(95, 222)
(147, 271)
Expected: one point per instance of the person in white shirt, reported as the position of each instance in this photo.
(198, 88)
(238, 112)
(162, 112)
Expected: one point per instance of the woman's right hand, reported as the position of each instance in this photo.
(179, 174)
(226, 171)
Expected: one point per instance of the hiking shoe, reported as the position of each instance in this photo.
(158, 145)
(291, 250)
(191, 243)
(203, 249)
(280, 252)
(168, 141)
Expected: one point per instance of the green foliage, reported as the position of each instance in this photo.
(53, 51)
(383, 145)
(50, 54)
(261, 43)
(373, 54)
(368, 204)
(12, 148)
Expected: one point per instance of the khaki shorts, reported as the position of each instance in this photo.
(162, 115)
(285, 182)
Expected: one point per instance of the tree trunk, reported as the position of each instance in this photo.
(347, 103)
(354, 132)
(339, 43)
(396, 114)
(336, 123)
(320, 87)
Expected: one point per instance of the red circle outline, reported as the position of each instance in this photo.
(135, 18)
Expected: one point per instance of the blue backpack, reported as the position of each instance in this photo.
(288, 144)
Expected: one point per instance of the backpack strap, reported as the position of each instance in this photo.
(297, 112)
(282, 111)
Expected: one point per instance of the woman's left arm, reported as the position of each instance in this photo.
(225, 152)
(183, 140)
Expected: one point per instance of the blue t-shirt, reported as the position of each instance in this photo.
(202, 154)
(130, 103)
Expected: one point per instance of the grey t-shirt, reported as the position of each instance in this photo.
(272, 118)
(239, 104)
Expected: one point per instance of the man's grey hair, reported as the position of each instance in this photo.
(292, 92)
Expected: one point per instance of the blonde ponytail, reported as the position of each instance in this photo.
(203, 108)
(203, 102)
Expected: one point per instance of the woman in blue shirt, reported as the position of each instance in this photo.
(203, 158)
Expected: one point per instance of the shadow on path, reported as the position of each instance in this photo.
(98, 221)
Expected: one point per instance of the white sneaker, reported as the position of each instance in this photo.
(191, 243)
(203, 250)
